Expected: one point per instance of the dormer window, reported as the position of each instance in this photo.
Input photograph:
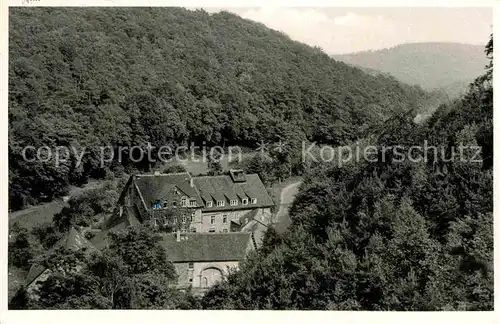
(157, 205)
(254, 201)
(165, 204)
(244, 201)
(209, 204)
(192, 203)
(234, 202)
(183, 201)
(221, 203)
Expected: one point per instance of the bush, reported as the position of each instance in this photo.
(173, 168)
(20, 251)
(47, 235)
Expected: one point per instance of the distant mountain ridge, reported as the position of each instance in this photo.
(170, 76)
(446, 66)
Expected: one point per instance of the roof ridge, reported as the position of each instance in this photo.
(221, 175)
(211, 176)
(162, 174)
(209, 234)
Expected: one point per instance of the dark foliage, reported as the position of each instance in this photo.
(19, 250)
(133, 273)
(85, 78)
(388, 234)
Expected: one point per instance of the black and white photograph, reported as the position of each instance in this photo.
(250, 158)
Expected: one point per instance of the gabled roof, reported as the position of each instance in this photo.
(99, 240)
(127, 215)
(73, 241)
(130, 217)
(35, 271)
(201, 247)
(223, 187)
(154, 187)
(206, 188)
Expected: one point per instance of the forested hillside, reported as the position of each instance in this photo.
(387, 234)
(449, 67)
(88, 77)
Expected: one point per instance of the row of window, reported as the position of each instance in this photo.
(212, 219)
(192, 203)
(212, 230)
(193, 215)
(184, 203)
(232, 202)
(184, 218)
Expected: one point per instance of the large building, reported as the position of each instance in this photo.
(212, 222)
(202, 259)
(216, 204)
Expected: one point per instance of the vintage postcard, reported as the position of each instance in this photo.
(250, 158)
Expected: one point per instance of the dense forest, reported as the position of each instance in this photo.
(368, 235)
(380, 234)
(387, 235)
(91, 77)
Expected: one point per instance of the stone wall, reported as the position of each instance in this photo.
(202, 274)
(202, 222)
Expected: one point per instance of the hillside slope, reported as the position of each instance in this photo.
(400, 234)
(89, 77)
(448, 66)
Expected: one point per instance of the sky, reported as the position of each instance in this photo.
(347, 30)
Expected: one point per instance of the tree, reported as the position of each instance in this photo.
(260, 164)
(20, 250)
(384, 235)
(47, 235)
(132, 273)
(141, 251)
(270, 241)
(20, 300)
(236, 89)
(214, 164)
(84, 207)
(173, 168)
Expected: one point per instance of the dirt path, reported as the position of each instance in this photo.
(43, 213)
(287, 196)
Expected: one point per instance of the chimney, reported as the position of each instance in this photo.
(178, 235)
(237, 175)
(191, 183)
